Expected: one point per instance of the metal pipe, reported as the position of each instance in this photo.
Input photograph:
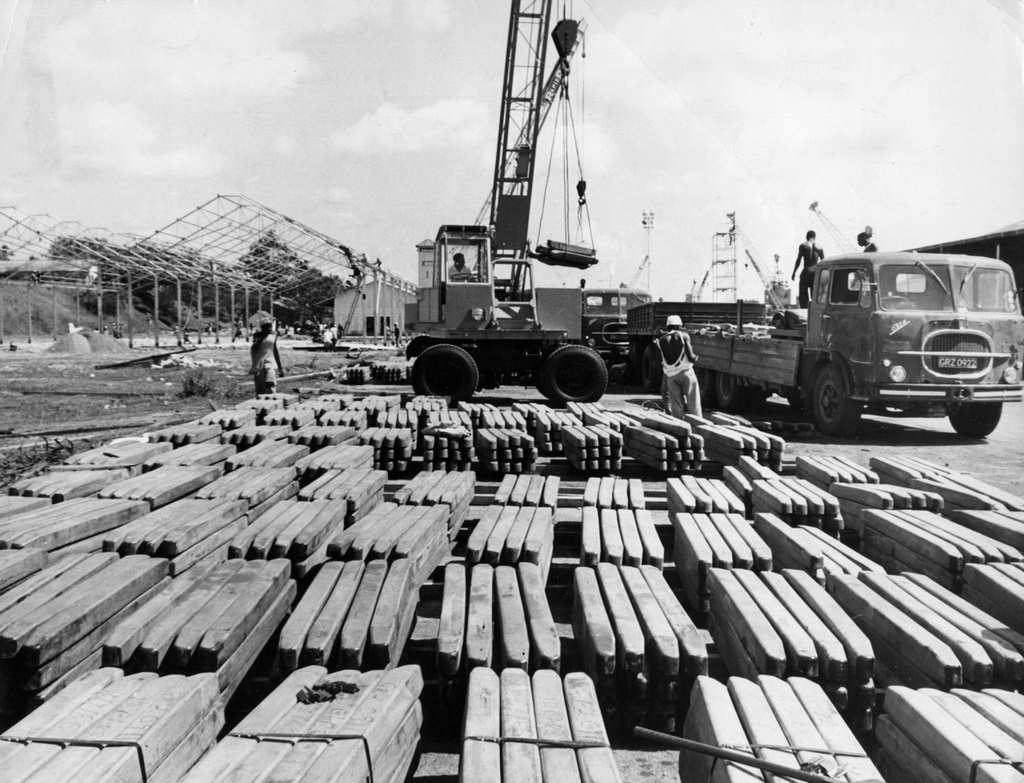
(29, 299)
(53, 299)
(99, 308)
(3, 307)
(156, 310)
(232, 327)
(131, 312)
(216, 311)
(177, 282)
(199, 312)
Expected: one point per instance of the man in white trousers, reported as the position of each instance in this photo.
(677, 360)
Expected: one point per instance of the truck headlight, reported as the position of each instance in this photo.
(898, 373)
(1010, 374)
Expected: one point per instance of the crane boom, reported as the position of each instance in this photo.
(769, 289)
(838, 237)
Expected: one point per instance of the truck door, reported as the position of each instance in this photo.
(845, 326)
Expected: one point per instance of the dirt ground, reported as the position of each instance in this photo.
(67, 395)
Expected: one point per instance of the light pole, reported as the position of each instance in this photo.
(648, 224)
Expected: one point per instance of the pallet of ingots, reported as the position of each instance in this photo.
(378, 712)
(183, 434)
(546, 424)
(260, 488)
(509, 718)
(613, 492)
(316, 436)
(294, 417)
(229, 418)
(1005, 526)
(987, 648)
(399, 418)
(355, 375)
(163, 485)
(246, 437)
(527, 491)
(325, 403)
(513, 534)
(705, 541)
(17, 504)
(637, 643)
(354, 490)
(824, 471)
(475, 410)
(621, 536)
(591, 449)
(424, 404)
(447, 447)
(131, 456)
(268, 454)
(508, 622)
(927, 543)
(769, 449)
(295, 530)
(393, 447)
(340, 457)
(930, 734)
(389, 373)
(790, 723)
(389, 531)
(213, 618)
(689, 494)
(377, 405)
(505, 450)
(454, 489)
(959, 490)
(684, 432)
(997, 588)
(17, 565)
(187, 533)
(53, 624)
(811, 549)
(62, 485)
(657, 450)
(762, 625)
(797, 501)
(261, 407)
(353, 615)
(208, 453)
(347, 417)
(594, 413)
(107, 725)
(856, 498)
(76, 525)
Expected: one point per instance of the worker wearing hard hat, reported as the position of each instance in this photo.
(677, 360)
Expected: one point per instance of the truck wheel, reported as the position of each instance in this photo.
(445, 370)
(650, 370)
(833, 410)
(574, 373)
(729, 393)
(976, 420)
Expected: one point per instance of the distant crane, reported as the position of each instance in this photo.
(639, 272)
(769, 285)
(837, 236)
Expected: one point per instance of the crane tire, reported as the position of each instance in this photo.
(574, 373)
(446, 371)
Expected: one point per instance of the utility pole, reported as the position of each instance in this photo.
(648, 224)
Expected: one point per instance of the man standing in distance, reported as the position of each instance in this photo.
(266, 361)
(677, 360)
(809, 254)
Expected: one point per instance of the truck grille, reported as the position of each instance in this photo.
(956, 343)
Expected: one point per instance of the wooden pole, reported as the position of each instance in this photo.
(117, 309)
(131, 312)
(99, 309)
(177, 282)
(246, 290)
(78, 307)
(199, 312)
(156, 311)
(53, 299)
(3, 304)
(29, 298)
(232, 327)
(216, 311)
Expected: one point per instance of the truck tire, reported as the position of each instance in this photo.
(976, 420)
(447, 371)
(650, 370)
(574, 373)
(730, 395)
(833, 411)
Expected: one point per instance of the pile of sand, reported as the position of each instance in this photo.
(87, 341)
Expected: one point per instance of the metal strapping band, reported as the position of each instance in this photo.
(976, 764)
(66, 742)
(797, 749)
(296, 738)
(541, 743)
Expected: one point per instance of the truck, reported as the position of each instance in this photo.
(604, 320)
(481, 321)
(892, 334)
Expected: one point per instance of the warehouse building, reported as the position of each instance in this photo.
(375, 308)
(1006, 244)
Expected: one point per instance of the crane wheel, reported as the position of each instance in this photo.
(976, 419)
(445, 371)
(834, 412)
(574, 373)
(650, 370)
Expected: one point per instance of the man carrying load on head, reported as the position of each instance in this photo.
(677, 360)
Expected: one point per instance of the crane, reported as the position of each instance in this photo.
(769, 285)
(639, 272)
(838, 237)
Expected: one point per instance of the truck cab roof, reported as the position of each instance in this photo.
(904, 257)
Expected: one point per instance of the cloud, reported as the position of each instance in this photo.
(452, 123)
(115, 137)
(429, 15)
(336, 194)
(285, 145)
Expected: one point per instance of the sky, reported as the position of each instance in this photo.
(376, 122)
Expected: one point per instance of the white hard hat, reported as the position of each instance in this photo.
(673, 320)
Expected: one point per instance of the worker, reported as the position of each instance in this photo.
(677, 360)
(864, 240)
(266, 361)
(458, 272)
(809, 254)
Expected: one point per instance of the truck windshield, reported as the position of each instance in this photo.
(982, 289)
(914, 287)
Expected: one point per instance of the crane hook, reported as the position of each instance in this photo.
(581, 192)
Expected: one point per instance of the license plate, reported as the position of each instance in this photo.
(956, 363)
